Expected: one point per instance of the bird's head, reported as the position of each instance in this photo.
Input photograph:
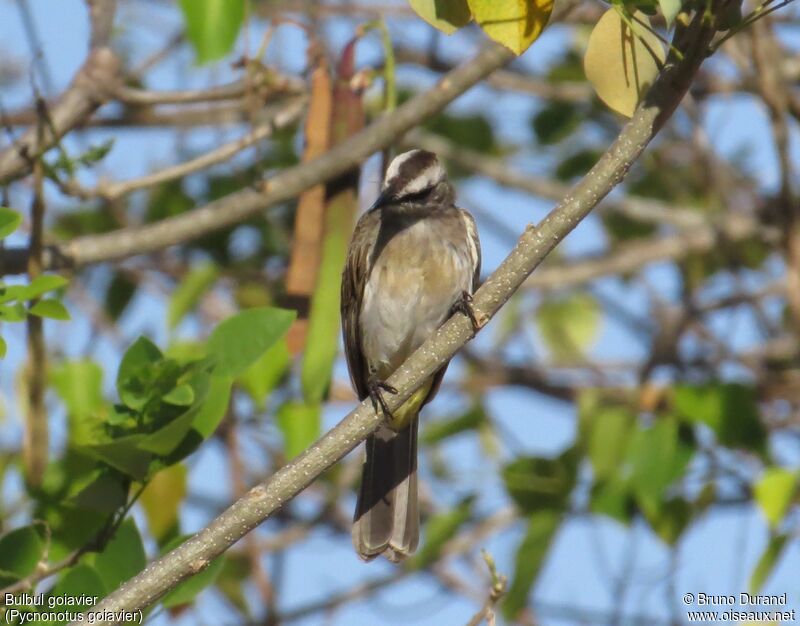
(415, 179)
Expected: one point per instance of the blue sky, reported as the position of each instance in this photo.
(717, 554)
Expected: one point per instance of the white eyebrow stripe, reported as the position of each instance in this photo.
(424, 179)
(394, 167)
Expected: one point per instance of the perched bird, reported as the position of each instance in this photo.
(413, 261)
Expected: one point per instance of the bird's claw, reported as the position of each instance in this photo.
(374, 387)
(464, 305)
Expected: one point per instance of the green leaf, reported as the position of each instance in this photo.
(142, 355)
(182, 395)
(167, 438)
(613, 498)
(70, 527)
(3, 348)
(729, 409)
(84, 222)
(322, 339)
(105, 494)
(79, 581)
(263, 376)
(439, 430)
(185, 352)
(766, 562)
(162, 499)
(671, 520)
(537, 483)
(299, 424)
(774, 493)
(123, 556)
(658, 458)
(556, 122)
(52, 309)
(20, 552)
(68, 163)
(185, 592)
(531, 553)
(167, 200)
(96, 153)
(439, 530)
(514, 23)
(621, 64)
(240, 340)
(13, 313)
(38, 287)
(80, 386)
(233, 579)
(212, 26)
(214, 406)
(185, 298)
(119, 294)
(120, 415)
(608, 439)
(568, 324)
(123, 454)
(577, 164)
(9, 221)
(624, 228)
(474, 132)
(9, 293)
(444, 15)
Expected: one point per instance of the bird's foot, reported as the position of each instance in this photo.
(464, 305)
(374, 387)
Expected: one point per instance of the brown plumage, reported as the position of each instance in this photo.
(413, 257)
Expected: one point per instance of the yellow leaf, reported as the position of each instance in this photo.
(621, 64)
(514, 23)
(774, 493)
(444, 15)
(162, 499)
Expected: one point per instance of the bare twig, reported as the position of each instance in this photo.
(633, 256)
(92, 86)
(283, 118)
(497, 589)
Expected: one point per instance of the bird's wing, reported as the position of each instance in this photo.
(474, 243)
(354, 277)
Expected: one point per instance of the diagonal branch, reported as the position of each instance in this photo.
(241, 205)
(91, 87)
(533, 246)
(497, 169)
(633, 256)
(282, 118)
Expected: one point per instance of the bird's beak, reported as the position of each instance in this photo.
(383, 197)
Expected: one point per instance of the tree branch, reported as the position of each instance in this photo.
(284, 117)
(497, 169)
(241, 205)
(91, 87)
(632, 256)
(533, 246)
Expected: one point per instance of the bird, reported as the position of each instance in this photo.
(413, 261)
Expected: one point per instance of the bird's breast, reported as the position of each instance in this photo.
(415, 279)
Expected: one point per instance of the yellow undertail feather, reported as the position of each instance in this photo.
(402, 416)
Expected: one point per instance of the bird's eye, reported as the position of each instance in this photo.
(416, 196)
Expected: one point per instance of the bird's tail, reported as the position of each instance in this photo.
(387, 518)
